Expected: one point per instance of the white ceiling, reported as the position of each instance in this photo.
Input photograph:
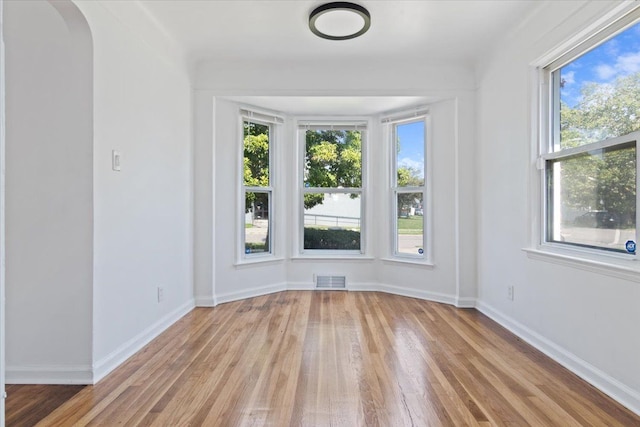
(456, 32)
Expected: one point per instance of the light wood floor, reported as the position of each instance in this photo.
(339, 359)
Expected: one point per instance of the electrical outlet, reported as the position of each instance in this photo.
(510, 293)
(160, 294)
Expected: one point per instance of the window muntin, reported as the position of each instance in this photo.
(408, 142)
(332, 197)
(590, 165)
(257, 188)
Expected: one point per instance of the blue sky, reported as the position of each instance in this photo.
(411, 152)
(617, 57)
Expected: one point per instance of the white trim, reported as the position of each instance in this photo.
(306, 286)
(258, 259)
(611, 267)
(49, 374)
(356, 287)
(545, 131)
(241, 255)
(333, 256)
(594, 376)
(250, 293)
(205, 302)
(419, 293)
(614, 14)
(393, 290)
(364, 287)
(266, 117)
(390, 136)
(365, 126)
(405, 115)
(465, 302)
(2, 222)
(616, 21)
(338, 124)
(415, 262)
(107, 364)
(401, 291)
(629, 138)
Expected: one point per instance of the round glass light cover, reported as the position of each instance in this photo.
(339, 22)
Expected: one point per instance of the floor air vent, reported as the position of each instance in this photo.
(331, 282)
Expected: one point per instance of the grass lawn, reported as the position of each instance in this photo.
(410, 225)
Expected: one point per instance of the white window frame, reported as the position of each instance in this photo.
(272, 121)
(548, 141)
(360, 124)
(391, 123)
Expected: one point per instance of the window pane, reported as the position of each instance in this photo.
(592, 198)
(332, 221)
(256, 154)
(333, 158)
(410, 154)
(600, 92)
(256, 222)
(410, 223)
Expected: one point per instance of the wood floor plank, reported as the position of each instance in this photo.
(331, 358)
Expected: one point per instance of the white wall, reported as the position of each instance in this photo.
(452, 277)
(218, 279)
(584, 318)
(2, 217)
(49, 194)
(143, 214)
(231, 281)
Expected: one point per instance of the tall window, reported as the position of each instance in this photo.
(257, 188)
(408, 142)
(332, 187)
(590, 163)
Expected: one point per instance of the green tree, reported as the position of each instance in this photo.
(408, 177)
(333, 158)
(604, 180)
(256, 158)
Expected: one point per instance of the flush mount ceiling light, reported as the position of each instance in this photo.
(339, 21)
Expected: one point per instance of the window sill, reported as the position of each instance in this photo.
(332, 257)
(610, 265)
(258, 261)
(409, 261)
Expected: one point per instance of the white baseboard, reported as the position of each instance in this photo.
(300, 286)
(390, 289)
(37, 374)
(250, 293)
(205, 302)
(618, 391)
(107, 364)
(418, 293)
(364, 287)
(465, 302)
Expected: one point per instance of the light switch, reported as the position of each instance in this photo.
(116, 158)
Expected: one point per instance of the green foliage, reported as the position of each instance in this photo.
(409, 177)
(333, 159)
(320, 238)
(607, 180)
(411, 225)
(256, 247)
(256, 158)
